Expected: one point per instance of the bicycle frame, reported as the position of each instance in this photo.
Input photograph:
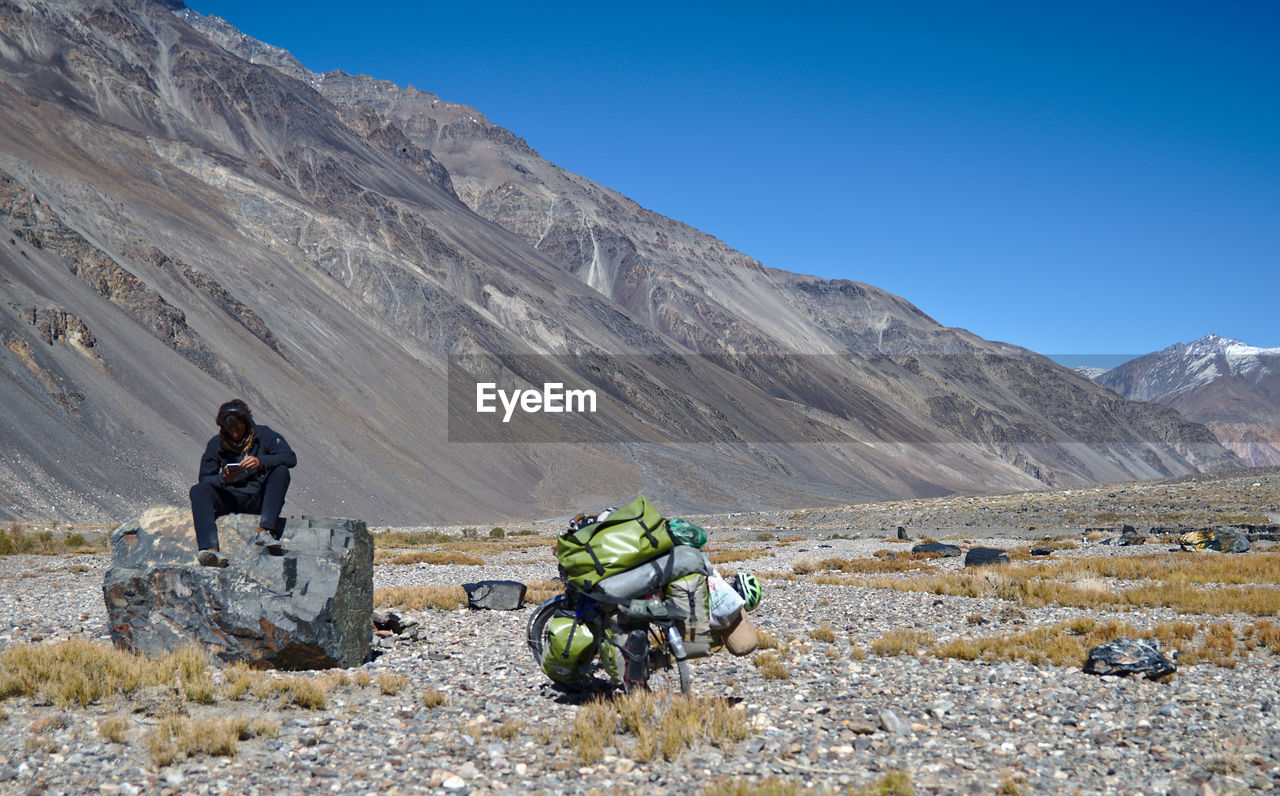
(644, 633)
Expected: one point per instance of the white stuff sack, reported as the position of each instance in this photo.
(725, 602)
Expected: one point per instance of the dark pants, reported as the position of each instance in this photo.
(210, 501)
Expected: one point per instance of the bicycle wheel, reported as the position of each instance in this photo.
(669, 675)
(664, 672)
(536, 632)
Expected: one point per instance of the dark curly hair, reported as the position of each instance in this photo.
(235, 408)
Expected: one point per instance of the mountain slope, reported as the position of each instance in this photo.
(182, 224)
(1232, 387)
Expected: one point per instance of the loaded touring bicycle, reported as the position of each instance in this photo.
(641, 600)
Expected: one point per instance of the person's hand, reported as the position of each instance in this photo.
(250, 463)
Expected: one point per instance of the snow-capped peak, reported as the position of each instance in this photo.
(1183, 367)
(1207, 357)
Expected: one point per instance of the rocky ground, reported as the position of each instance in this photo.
(844, 718)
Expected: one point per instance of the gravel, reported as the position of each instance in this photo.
(953, 726)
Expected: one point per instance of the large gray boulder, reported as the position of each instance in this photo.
(310, 607)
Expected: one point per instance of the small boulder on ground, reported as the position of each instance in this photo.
(495, 595)
(391, 622)
(938, 548)
(1129, 656)
(1130, 535)
(309, 607)
(985, 556)
(1224, 540)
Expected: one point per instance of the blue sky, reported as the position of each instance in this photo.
(1083, 178)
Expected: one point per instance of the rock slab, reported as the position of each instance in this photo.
(938, 548)
(985, 556)
(310, 607)
(1123, 656)
(495, 595)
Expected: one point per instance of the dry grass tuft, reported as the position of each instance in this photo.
(1170, 634)
(894, 782)
(1243, 583)
(772, 666)
(240, 680)
(385, 539)
(113, 729)
(729, 556)
(1263, 634)
(510, 729)
(417, 598)
(1063, 644)
(539, 590)
(766, 640)
(656, 725)
(420, 557)
(594, 722)
(20, 539)
(296, 690)
(433, 699)
(1217, 646)
(304, 693)
(770, 786)
(390, 684)
(178, 737)
(823, 633)
(804, 566)
(881, 562)
(82, 672)
(901, 642)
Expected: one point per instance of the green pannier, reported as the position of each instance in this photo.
(611, 657)
(628, 537)
(569, 650)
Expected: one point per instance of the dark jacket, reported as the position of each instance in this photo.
(268, 446)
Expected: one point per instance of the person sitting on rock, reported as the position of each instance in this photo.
(245, 469)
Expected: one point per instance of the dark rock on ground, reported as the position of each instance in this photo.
(1129, 656)
(391, 622)
(983, 556)
(1041, 551)
(1130, 535)
(495, 595)
(308, 608)
(944, 550)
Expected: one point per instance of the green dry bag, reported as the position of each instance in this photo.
(628, 537)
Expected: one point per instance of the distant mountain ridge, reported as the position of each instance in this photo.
(1229, 385)
(189, 214)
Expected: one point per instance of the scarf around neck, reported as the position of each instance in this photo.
(237, 447)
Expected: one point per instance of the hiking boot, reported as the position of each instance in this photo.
(211, 558)
(266, 540)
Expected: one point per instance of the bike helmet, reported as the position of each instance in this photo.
(749, 587)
